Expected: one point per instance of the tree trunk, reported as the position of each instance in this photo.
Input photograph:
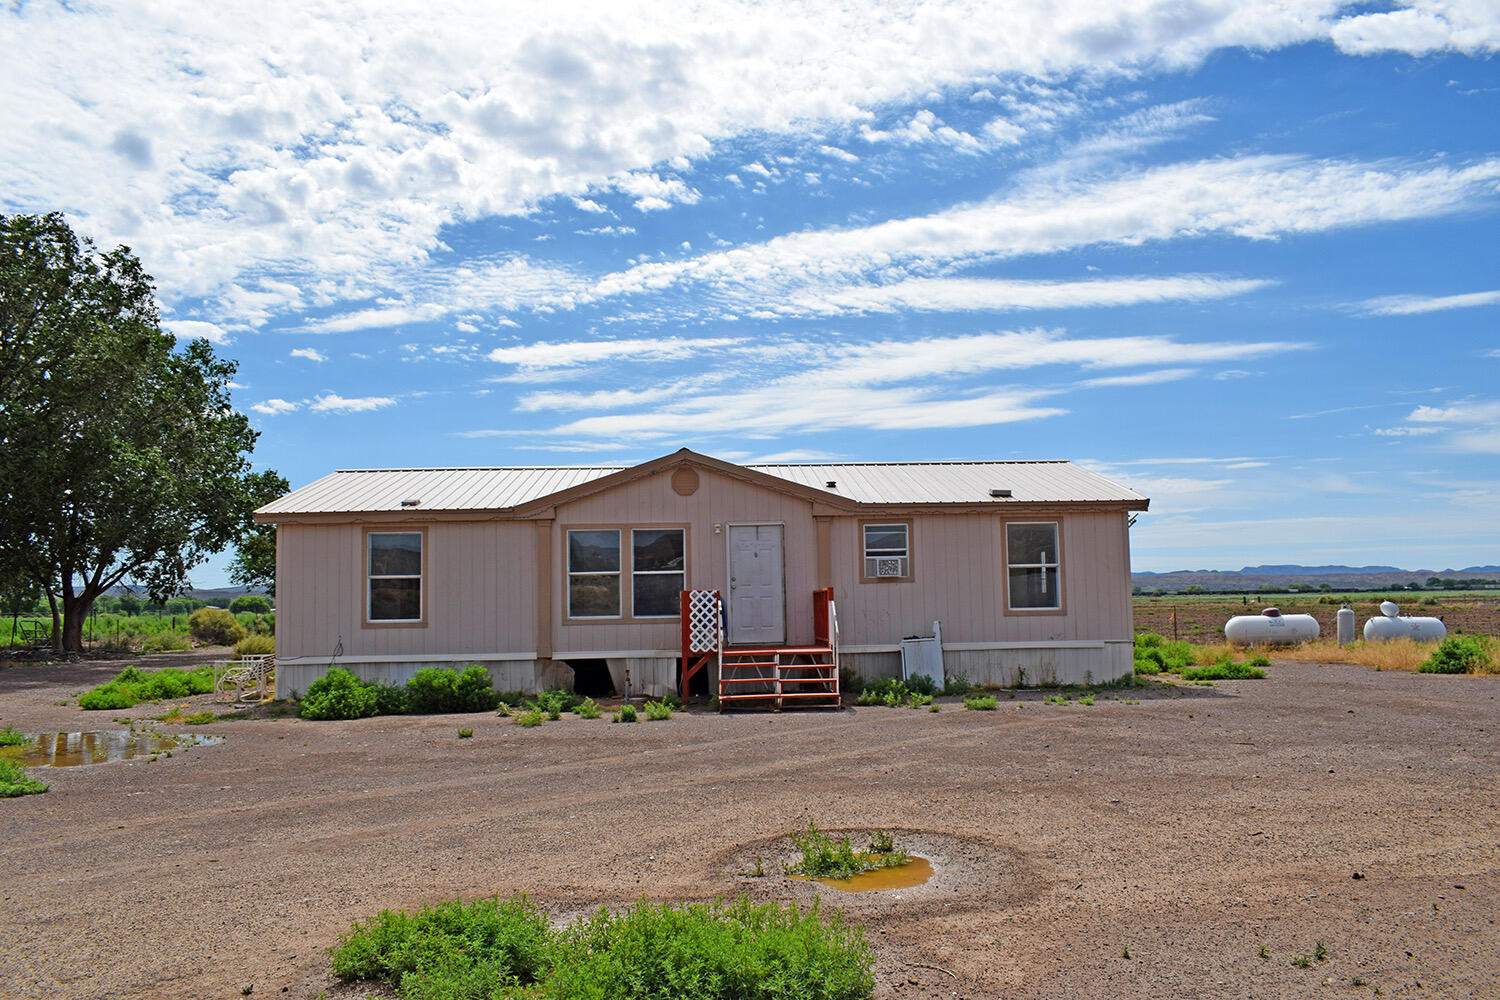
(75, 612)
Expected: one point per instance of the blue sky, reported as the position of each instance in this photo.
(1239, 256)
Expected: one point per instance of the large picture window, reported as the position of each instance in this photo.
(885, 548)
(594, 574)
(656, 572)
(1033, 566)
(394, 571)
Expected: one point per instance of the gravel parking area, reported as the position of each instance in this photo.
(1210, 834)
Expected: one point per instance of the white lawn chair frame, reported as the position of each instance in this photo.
(250, 677)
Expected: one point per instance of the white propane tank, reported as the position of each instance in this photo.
(1345, 625)
(1392, 626)
(1271, 626)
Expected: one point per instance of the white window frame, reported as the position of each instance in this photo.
(618, 574)
(1045, 564)
(870, 557)
(677, 613)
(419, 576)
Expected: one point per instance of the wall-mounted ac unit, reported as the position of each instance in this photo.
(890, 567)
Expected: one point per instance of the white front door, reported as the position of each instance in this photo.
(757, 594)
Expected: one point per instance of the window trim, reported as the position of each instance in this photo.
(1062, 590)
(655, 572)
(626, 614)
(911, 559)
(569, 574)
(423, 580)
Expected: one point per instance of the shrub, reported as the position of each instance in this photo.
(826, 857)
(887, 691)
(556, 700)
(1460, 654)
(657, 711)
(491, 948)
(14, 780)
(922, 684)
(487, 945)
(956, 686)
(587, 709)
(10, 737)
(441, 689)
(919, 700)
(465, 732)
(625, 714)
(1224, 670)
(253, 604)
(850, 682)
(338, 694)
(390, 699)
(132, 686)
(531, 718)
(741, 950)
(215, 627)
(980, 703)
(255, 645)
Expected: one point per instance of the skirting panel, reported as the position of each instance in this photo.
(1001, 666)
(505, 675)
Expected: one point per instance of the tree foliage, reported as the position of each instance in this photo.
(120, 454)
(254, 563)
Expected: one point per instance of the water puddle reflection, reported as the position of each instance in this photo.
(914, 872)
(99, 747)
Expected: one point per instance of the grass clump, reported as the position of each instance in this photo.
(828, 857)
(887, 691)
(1155, 654)
(131, 686)
(957, 686)
(10, 737)
(720, 951)
(657, 711)
(1460, 654)
(554, 702)
(494, 949)
(14, 781)
(466, 732)
(1224, 670)
(198, 718)
(587, 709)
(255, 645)
(625, 714)
(980, 703)
(531, 718)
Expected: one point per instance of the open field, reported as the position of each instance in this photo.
(1201, 617)
(1192, 829)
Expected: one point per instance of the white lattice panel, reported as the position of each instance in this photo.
(704, 621)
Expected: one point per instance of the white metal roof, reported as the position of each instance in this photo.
(460, 489)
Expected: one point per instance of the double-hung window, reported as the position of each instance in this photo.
(605, 578)
(393, 566)
(594, 573)
(656, 572)
(1033, 566)
(886, 550)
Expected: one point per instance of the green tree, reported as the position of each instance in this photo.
(250, 604)
(120, 454)
(254, 563)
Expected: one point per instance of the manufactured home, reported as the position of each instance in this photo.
(660, 576)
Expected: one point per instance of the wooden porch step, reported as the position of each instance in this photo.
(777, 650)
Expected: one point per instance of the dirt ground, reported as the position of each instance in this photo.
(1331, 804)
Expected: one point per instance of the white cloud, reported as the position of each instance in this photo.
(311, 354)
(1411, 305)
(192, 329)
(573, 353)
(272, 407)
(333, 403)
(1422, 26)
(1143, 378)
(1458, 413)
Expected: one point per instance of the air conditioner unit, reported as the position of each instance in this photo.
(890, 567)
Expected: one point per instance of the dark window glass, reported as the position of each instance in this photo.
(657, 595)
(395, 599)
(1031, 544)
(396, 555)
(594, 595)
(1033, 588)
(593, 552)
(656, 549)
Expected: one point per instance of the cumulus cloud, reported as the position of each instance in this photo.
(334, 403)
(310, 353)
(192, 329)
(272, 407)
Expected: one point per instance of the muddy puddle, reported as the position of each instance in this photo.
(99, 747)
(915, 872)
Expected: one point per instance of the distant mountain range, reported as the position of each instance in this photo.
(1279, 576)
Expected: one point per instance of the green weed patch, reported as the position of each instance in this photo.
(495, 949)
(131, 686)
(14, 781)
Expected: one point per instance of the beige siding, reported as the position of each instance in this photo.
(958, 568)
(719, 500)
(479, 591)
